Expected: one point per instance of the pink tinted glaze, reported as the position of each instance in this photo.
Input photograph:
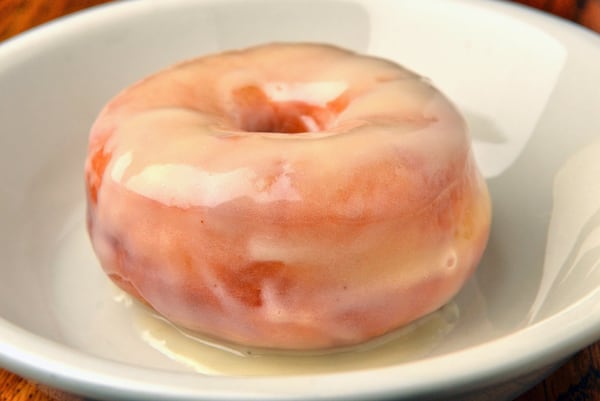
(365, 214)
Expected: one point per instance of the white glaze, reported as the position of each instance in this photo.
(371, 218)
(211, 357)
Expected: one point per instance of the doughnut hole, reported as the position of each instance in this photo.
(255, 111)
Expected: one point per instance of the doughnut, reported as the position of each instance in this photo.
(286, 196)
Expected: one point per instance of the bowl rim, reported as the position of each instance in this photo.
(514, 354)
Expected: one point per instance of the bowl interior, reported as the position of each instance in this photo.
(533, 126)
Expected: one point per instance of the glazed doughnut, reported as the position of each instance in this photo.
(286, 196)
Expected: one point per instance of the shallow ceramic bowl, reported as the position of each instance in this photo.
(528, 86)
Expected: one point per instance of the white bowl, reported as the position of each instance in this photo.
(529, 87)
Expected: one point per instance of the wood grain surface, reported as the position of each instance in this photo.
(577, 380)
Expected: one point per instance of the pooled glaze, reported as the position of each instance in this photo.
(210, 357)
(286, 196)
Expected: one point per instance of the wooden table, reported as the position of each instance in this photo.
(577, 380)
